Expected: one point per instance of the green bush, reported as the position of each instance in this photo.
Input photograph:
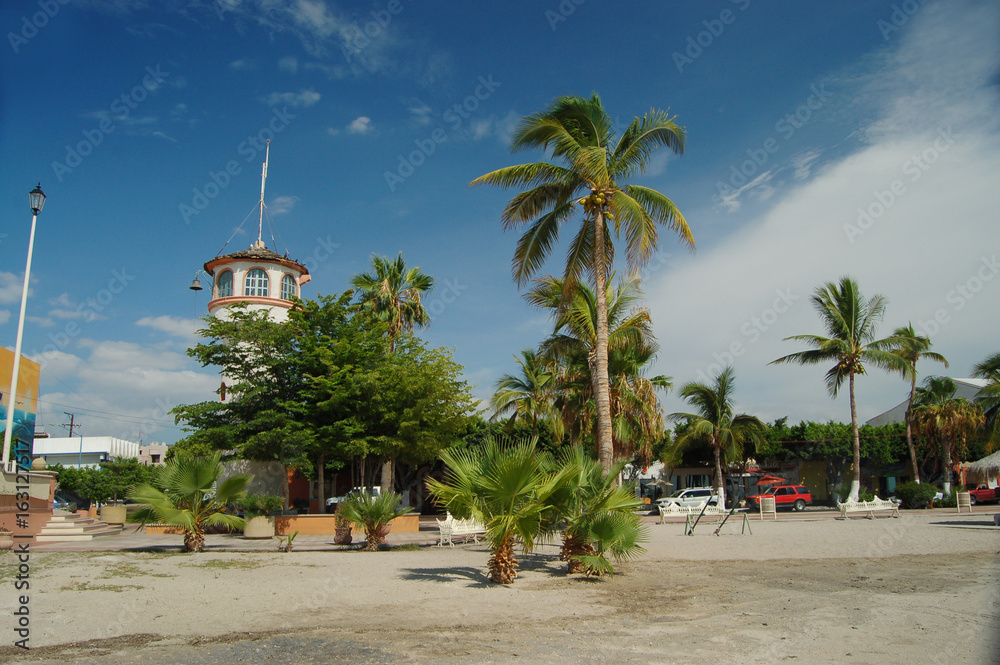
(950, 501)
(915, 495)
(255, 505)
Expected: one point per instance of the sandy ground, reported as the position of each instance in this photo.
(921, 589)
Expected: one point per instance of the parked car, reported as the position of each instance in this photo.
(64, 500)
(796, 497)
(692, 496)
(374, 492)
(983, 493)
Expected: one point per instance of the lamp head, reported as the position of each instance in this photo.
(36, 199)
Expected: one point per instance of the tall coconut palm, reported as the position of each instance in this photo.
(187, 493)
(599, 515)
(393, 292)
(989, 398)
(635, 409)
(507, 487)
(529, 398)
(851, 322)
(938, 414)
(715, 422)
(580, 133)
(914, 346)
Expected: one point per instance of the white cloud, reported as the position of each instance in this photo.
(282, 204)
(10, 288)
(4, 316)
(289, 64)
(803, 163)
(360, 125)
(924, 236)
(172, 325)
(302, 99)
(241, 65)
(761, 186)
(332, 131)
(421, 112)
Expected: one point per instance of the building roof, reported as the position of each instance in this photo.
(256, 252)
(964, 388)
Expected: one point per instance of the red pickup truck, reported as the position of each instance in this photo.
(982, 494)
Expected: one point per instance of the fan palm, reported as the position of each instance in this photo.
(393, 292)
(529, 398)
(851, 322)
(598, 513)
(187, 493)
(507, 487)
(914, 346)
(373, 513)
(939, 414)
(714, 422)
(989, 398)
(580, 132)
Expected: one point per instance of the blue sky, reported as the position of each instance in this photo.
(823, 139)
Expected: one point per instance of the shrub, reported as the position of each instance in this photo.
(373, 514)
(256, 505)
(915, 495)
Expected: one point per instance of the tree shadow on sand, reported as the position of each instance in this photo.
(476, 576)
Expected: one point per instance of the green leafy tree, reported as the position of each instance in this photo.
(373, 513)
(851, 322)
(393, 292)
(950, 420)
(989, 398)
(580, 133)
(507, 487)
(715, 422)
(914, 346)
(187, 493)
(599, 515)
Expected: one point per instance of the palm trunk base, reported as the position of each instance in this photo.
(194, 541)
(573, 547)
(503, 564)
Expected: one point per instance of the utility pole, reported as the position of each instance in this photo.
(70, 425)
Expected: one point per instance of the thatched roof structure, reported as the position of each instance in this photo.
(988, 467)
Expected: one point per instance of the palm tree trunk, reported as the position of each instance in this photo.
(321, 481)
(572, 547)
(909, 432)
(602, 389)
(946, 459)
(194, 540)
(856, 443)
(387, 469)
(503, 563)
(720, 487)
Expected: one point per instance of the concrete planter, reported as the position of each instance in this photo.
(113, 514)
(261, 526)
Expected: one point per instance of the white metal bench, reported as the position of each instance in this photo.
(869, 507)
(673, 509)
(451, 528)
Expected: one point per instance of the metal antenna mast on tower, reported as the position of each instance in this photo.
(263, 179)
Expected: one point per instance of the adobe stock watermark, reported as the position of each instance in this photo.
(914, 168)
(900, 16)
(323, 251)
(751, 331)
(458, 113)
(785, 128)
(249, 149)
(87, 311)
(360, 37)
(696, 44)
(119, 110)
(960, 296)
(31, 25)
(444, 296)
(563, 11)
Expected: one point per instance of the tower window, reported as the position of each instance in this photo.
(256, 283)
(288, 287)
(224, 285)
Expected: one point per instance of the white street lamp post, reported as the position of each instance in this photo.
(36, 199)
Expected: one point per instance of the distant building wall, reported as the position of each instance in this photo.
(87, 451)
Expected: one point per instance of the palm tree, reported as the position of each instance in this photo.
(851, 322)
(373, 513)
(635, 409)
(939, 414)
(914, 347)
(579, 132)
(989, 398)
(715, 422)
(393, 292)
(187, 493)
(599, 515)
(507, 487)
(529, 398)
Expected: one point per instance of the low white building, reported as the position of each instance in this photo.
(153, 454)
(84, 451)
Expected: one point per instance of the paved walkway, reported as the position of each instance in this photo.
(133, 539)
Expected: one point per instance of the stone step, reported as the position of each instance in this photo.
(74, 527)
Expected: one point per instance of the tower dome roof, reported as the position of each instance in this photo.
(257, 252)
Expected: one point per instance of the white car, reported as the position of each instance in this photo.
(692, 496)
